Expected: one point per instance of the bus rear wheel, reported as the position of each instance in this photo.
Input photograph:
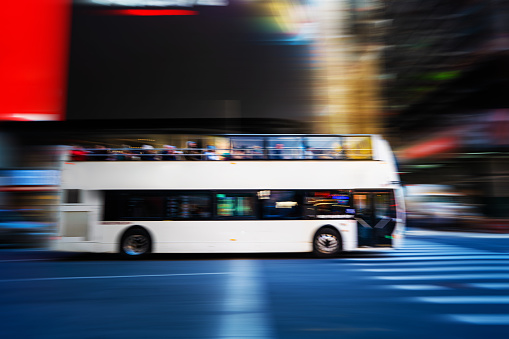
(135, 242)
(327, 243)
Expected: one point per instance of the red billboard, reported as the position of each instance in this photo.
(34, 59)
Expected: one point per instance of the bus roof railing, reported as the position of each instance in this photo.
(241, 147)
(89, 154)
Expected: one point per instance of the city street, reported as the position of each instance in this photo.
(440, 285)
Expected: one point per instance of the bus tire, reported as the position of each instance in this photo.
(327, 243)
(135, 243)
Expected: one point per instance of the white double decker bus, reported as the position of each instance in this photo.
(263, 193)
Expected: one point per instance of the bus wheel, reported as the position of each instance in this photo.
(135, 242)
(327, 243)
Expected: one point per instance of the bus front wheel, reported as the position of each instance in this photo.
(136, 242)
(327, 243)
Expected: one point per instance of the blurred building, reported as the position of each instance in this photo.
(347, 84)
(446, 71)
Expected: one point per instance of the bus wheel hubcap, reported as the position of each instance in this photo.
(327, 243)
(135, 244)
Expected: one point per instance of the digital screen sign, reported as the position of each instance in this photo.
(35, 47)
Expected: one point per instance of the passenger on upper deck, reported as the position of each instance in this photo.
(239, 153)
(124, 153)
(210, 153)
(169, 153)
(308, 153)
(78, 153)
(192, 151)
(257, 153)
(149, 154)
(278, 152)
(100, 153)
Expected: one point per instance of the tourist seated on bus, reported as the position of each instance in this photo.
(226, 156)
(124, 153)
(343, 153)
(277, 152)
(100, 153)
(78, 153)
(149, 153)
(169, 153)
(257, 153)
(192, 151)
(210, 153)
(239, 153)
(309, 153)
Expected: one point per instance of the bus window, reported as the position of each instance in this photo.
(322, 148)
(236, 205)
(384, 206)
(357, 147)
(282, 148)
(72, 196)
(247, 148)
(141, 206)
(362, 203)
(280, 204)
(188, 206)
(327, 204)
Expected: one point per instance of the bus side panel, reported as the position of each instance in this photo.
(229, 236)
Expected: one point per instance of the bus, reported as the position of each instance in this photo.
(323, 194)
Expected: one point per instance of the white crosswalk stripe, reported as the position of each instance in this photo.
(486, 268)
(433, 257)
(476, 299)
(424, 271)
(481, 319)
(446, 277)
(495, 286)
(455, 262)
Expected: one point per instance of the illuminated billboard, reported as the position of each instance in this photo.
(33, 62)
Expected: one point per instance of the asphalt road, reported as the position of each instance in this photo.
(445, 285)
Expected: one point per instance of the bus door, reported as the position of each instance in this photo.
(375, 215)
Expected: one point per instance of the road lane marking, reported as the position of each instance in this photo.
(428, 250)
(431, 253)
(18, 260)
(476, 299)
(456, 234)
(112, 277)
(439, 269)
(436, 263)
(481, 319)
(419, 287)
(432, 257)
(444, 277)
(245, 306)
(494, 286)
(441, 251)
